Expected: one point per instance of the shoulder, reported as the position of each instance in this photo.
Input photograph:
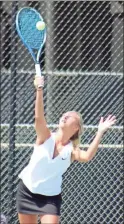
(49, 139)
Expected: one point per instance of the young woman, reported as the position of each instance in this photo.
(39, 191)
(3, 219)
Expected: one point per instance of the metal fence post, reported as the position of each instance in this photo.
(49, 57)
(0, 35)
(12, 113)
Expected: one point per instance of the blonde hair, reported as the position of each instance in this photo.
(76, 138)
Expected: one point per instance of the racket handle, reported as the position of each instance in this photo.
(38, 70)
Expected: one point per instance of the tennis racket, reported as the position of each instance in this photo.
(32, 38)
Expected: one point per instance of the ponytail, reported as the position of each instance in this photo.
(76, 138)
(76, 142)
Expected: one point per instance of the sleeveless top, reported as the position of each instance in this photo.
(43, 174)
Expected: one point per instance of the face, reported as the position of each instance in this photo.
(70, 121)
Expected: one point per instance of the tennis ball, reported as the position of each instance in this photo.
(40, 25)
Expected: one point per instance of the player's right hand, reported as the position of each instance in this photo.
(39, 81)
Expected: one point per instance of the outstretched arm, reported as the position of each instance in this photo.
(42, 131)
(85, 156)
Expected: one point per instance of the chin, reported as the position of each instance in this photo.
(61, 125)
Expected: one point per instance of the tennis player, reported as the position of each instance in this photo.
(39, 190)
(3, 219)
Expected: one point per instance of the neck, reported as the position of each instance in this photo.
(62, 138)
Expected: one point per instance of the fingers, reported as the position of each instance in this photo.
(112, 122)
(38, 81)
(109, 121)
(101, 120)
(37, 77)
(111, 118)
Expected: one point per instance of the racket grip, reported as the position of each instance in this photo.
(38, 70)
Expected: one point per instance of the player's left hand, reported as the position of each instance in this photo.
(104, 125)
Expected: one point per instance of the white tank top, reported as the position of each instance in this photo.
(43, 174)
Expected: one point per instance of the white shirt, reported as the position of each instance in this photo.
(43, 174)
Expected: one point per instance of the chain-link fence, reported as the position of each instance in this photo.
(83, 67)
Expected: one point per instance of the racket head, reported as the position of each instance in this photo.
(31, 37)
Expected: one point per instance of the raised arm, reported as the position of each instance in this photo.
(85, 156)
(42, 131)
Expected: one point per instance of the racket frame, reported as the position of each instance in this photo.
(36, 58)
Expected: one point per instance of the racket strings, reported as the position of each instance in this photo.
(27, 25)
